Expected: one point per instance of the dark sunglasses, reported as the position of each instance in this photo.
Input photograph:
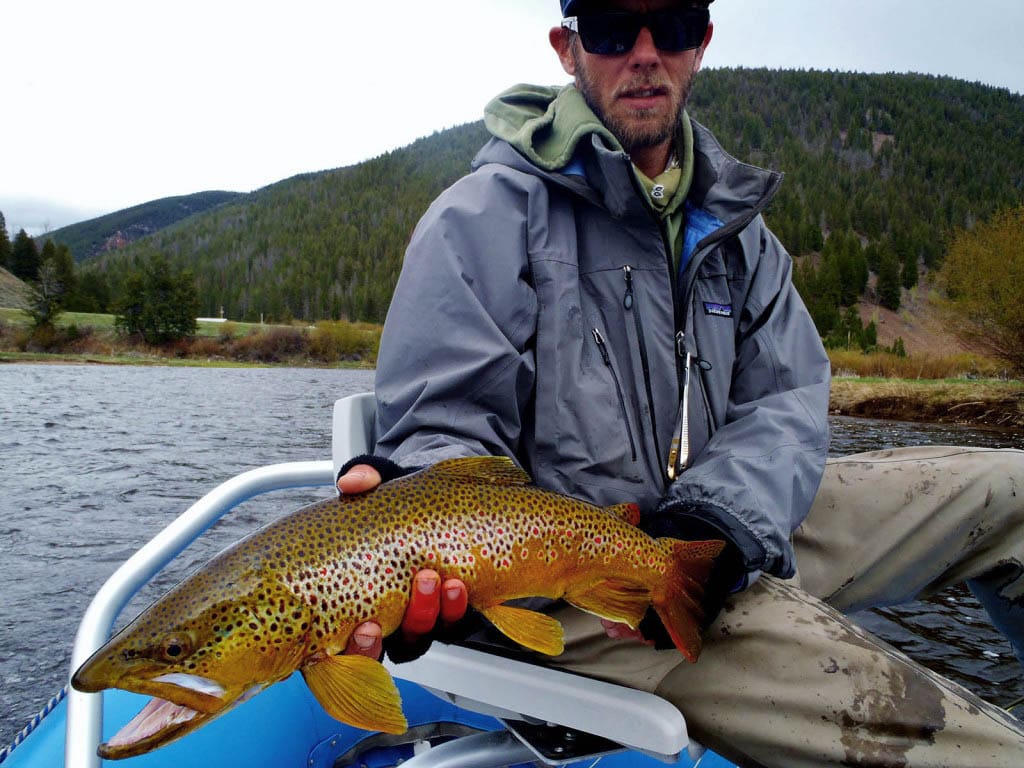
(614, 33)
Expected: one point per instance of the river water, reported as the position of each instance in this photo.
(95, 460)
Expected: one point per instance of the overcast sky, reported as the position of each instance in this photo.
(111, 103)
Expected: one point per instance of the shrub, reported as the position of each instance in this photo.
(336, 340)
(890, 365)
(273, 345)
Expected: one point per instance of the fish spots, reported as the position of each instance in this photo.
(301, 584)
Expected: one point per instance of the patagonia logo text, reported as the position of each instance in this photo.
(720, 310)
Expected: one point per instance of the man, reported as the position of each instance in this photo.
(601, 300)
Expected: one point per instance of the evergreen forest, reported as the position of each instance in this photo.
(881, 170)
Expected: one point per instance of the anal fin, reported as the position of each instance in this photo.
(536, 631)
(358, 691)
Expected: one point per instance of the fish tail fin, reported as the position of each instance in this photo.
(678, 599)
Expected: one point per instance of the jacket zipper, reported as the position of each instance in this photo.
(679, 452)
(629, 301)
(602, 347)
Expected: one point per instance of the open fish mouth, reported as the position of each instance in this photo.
(181, 703)
(159, 722)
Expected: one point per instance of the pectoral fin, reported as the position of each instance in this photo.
(536, 631)
(358, 691)
(614, 599)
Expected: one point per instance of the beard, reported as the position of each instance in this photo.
(636, 128)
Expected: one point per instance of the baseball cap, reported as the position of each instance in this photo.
(569, 7)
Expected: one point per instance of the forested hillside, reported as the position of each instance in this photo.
(115, 230)
(880, 170)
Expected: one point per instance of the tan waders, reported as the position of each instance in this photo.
(786, 680)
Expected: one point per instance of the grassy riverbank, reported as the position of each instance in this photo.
(960, 389)
(92, 338)
(989, 403)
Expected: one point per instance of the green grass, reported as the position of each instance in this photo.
(132, 360)
(104, 322)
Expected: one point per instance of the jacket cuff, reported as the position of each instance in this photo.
(386, 468)
(690, 523)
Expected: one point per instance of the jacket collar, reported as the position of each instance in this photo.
(722, 185)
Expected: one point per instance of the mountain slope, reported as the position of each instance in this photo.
(115, 230)
(13, 292)
(899, 160)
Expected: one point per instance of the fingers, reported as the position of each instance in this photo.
(360, 479)
(454, 601)
(424, 605)
(619, 631)
(430, 599)
(366, 640)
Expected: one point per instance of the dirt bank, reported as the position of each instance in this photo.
(987, 403)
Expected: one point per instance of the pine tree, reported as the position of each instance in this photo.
(5, 244)
(157, 303)
(25, 257)
(889, 280)
(65, 265)
(92, 292)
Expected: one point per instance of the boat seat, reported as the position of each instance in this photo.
(519, 693)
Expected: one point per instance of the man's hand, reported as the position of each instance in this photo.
(359, 479)
(618, 631)
(430, 598)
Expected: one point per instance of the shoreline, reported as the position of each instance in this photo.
(989, 403)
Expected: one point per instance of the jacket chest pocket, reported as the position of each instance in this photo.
(584, 402)
(716, 309)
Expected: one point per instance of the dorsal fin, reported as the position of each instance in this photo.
(496, 470)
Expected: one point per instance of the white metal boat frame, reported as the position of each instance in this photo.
(471, 679)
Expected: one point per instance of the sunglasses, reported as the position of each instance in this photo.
(614, 33)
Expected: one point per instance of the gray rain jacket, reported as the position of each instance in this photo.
(538, 316)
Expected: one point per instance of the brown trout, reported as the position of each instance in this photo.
(288, 596)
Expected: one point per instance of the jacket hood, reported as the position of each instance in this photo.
(545, 124)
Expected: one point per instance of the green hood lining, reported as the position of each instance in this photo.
(546, 124)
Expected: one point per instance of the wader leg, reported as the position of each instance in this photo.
(787, 680)
(888, 527)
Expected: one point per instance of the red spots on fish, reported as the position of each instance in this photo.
(525, 554)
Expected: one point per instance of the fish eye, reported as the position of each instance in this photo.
(175, 647)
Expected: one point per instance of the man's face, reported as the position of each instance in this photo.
(639, 95)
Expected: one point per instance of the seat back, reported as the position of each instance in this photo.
(353, 428)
